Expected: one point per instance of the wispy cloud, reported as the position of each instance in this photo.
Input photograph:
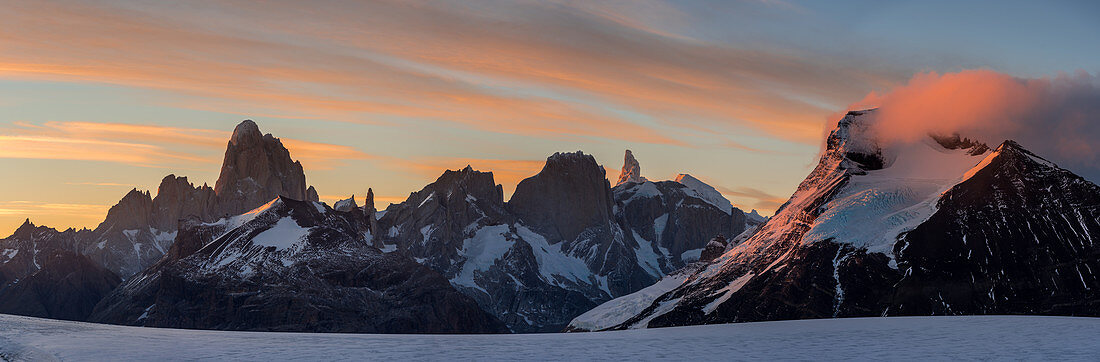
(99, 184)
(146, 145)
(752, 198)
(539, 69)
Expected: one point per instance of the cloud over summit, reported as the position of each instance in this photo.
(1057, 117)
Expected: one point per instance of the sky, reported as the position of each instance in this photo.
(98, 97)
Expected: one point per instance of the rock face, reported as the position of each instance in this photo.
(928, 228)
(674, 218)
(433, 223)
(715, 248)
(632, 170)
(552, 252)
(256, 169)
(1028, 252)
(291, 266)
(22, 253)
(569, 195)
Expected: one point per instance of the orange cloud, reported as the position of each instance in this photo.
(560, 70)
(748, 198)
(88, 150)
(142, 145)
(12, 214)
(1056, 117)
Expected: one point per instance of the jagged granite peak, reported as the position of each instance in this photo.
(25, 230)
(371, 213)
(291, 266)
(256, 168)
(178, 198)
(570, 194)
(526, 276)
(133, 210)
(755, 217)
(311, 194)
(246, 132)
(433, 222)
(346, 205)
(632, 171)
(874, 230)
(140, 229)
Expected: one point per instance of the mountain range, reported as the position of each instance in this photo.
(941, 226)
(259, 252)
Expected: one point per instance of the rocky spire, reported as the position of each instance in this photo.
(370, 212)
(632, 171)
(368, 203)
(256, 169)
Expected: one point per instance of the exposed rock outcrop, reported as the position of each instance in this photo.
(715, 248)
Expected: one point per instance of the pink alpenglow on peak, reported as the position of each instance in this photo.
(632, 171)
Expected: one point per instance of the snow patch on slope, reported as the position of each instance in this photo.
(619, 310)
(728, 291)
(284, 234)
(890, 201)
(482, 250)
(555, 266)
(705, 192)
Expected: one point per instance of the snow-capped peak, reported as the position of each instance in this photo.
(705, 192)
(755, 216)
(347, 204)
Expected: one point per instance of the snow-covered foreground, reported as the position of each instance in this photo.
(913, 338)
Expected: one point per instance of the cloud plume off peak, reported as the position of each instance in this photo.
(1057, 117)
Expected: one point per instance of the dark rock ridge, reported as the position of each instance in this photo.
(67, 286)
(42, 276)
(677, 221)
(291, 266)
(552, 252)
(988, 232)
